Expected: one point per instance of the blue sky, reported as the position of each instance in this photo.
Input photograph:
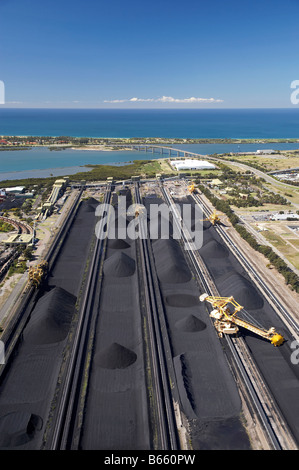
(148, 54)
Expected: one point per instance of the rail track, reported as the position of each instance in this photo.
(280, 308)
(64, 427)
(22, 309)
(65, 423)
(276, 429)
(21, 227)
(166, 420)
(68, 424)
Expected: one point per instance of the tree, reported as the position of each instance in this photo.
(28, 253)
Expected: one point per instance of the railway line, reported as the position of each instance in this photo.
(21, 398)
(278, 305)
(73, 425)
(22, 228)
(150, 397)
(165, 409)
(63, 431)
(25, 305)
(118, 379)
(64, 427)
(276, 428)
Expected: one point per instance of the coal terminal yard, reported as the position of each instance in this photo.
(118, 352)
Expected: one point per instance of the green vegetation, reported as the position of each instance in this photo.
(17, 267)
(147, 168)
(246, 189)
(5, 226)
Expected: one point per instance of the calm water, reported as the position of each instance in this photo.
(40, 162)
(204, 123)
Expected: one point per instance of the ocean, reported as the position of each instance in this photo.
(170, 123)
(204, 123)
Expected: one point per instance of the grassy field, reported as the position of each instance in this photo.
(285, 191)
(283, 239)
(286, 249)
(265, 208)
(282, 161)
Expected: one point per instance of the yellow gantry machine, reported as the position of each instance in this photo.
(213, 218)
(191, 188)
(37, 273)
(227, 322)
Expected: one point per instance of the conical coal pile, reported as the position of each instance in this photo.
(51, 318)
(119, 265)
(190, 324)
(115, 356)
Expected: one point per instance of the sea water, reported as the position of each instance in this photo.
(208, 123)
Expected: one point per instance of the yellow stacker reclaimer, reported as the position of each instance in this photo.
(227, 322)
(37, 273)
(191, 188)
(213, 218)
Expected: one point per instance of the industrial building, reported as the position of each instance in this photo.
(15, 190)
(19, 239)
(192, 165)
(265, 152)
(286, 216)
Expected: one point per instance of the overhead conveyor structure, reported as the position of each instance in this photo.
(57, 190)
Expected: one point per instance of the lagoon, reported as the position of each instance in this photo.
(41, 162)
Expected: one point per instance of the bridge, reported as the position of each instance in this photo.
(163, 150)
(239, 165)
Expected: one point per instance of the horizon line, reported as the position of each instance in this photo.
(145, 109)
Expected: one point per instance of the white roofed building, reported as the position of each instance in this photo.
(192, 165)
(15, 189)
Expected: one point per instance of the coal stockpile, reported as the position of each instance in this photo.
(18, 428)
(51, 319)
(119, 265)
(159, 226)
(116, 409)
(214, 250)
(29, 383)
(170, 262)
(246, 293)
(191, 324)
(202, 373)
(118, 244)
(68, 271)
(11, 202)
(182, 300)
(115, 356)
(280, 374)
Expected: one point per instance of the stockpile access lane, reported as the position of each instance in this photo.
(274, 363)
(116, 414)
(208, 394)
(29, 385)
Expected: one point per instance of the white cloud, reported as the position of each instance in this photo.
(167, 99)
(170, 99)
(129, 100)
